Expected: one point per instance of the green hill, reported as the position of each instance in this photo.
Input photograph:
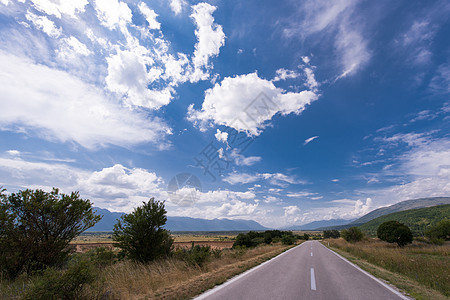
(401, 206)
(418, 220)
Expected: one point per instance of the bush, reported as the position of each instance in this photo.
(140, 234)
(253, 238)
(353, 234)
(440, 231)
(36, 228)
(395, 232)
(197, 255)
(287, 239)
(68, 284)
(102, 257)
(333, 234)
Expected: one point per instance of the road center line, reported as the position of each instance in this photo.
(311, 254)
(313, 280)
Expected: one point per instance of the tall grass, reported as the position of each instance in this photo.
(170, 278)
(426, 264)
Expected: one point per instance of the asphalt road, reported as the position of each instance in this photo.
(308, 271)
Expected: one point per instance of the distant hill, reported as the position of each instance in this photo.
(181, 223)
(316, 225)
(401, 206)
(418, 220)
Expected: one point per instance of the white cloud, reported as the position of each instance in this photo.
(311, 82)
(283, 74)
(71, 49)
(210, 37)
(335, 20)
(57, 8)
(57, 106)
(242, 160)
(221, 136)
(300, 194)
(44, 24)
(292, 214)
(113, 14)
(246, 102)
(279, 179)
(177, 6)
(309, 140)
(150, 16)
(4, 2)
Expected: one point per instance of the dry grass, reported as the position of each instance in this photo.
(428, 265)
(175, 279)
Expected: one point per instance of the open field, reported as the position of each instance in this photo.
(421, 269)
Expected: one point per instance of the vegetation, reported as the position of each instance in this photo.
(141, 235)
(333, 234)
(439, 232)
(395, 232)
(36, 228)
(253, 238)
(418, 220)
(353, 234)
(424, 264)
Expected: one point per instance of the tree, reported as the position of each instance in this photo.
(395, 232)
(36, 228)
(440, 231)
(141, 235)
(353, 234)
(333, 234)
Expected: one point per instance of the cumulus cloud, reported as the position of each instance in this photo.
(45, 24)
(283, 74)
(54, 105)
(71, 49)
(221, 136)
(113, 14)
(58, 8)
(246, 102)
(210, 37)
(150, 16)
(177, 6)
(292, 214)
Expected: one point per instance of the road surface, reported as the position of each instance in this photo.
(308, 271)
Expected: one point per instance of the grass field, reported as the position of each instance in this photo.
(427, 266)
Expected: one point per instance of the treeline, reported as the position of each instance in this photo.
(255, 238)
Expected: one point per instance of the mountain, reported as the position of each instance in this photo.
(401, 206)
(418, 220)
(319, 224)
(181, 223)
(194, 224)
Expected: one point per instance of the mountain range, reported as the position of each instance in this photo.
(181, 223)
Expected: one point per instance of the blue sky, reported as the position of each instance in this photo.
(287, 112)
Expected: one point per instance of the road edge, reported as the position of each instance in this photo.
(392, 288)
(237, 277)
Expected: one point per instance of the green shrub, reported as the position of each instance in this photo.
(287, 239)
(440, 231)
(197, 255)
(102, 257)
(353, 234)
(395, 232)
(333, 234)
(68, 284)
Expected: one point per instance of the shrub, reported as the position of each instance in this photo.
(440, 231)
(36, 228)
(68, 284)
(102, 257)
(197, 255)
(353, 234)
(394, 232)
(306, 236)
(140, 234)
(287, 239)
(334, 234)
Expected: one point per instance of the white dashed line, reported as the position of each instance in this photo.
(313, 280)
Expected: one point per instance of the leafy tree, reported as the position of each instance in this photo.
(394, 232)
(36, 228)
(141, 235)
(440, 231)
(334, 234)
(306, 236)
(287, 239)
(353, 234)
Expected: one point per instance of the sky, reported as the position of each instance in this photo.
(282, 112)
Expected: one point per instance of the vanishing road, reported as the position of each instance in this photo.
(308, 271)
